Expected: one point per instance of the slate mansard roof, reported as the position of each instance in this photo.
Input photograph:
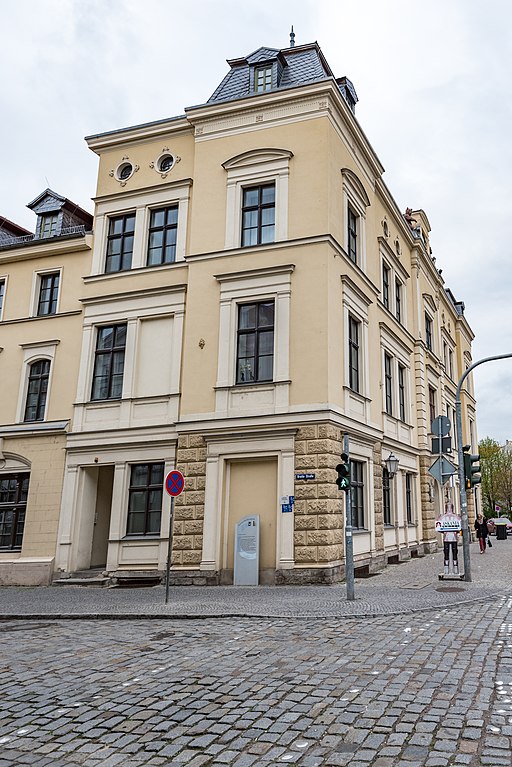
(291, 67)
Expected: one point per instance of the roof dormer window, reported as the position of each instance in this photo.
(48, 226)
(263, 79)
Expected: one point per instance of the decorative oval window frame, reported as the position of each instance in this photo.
(125, 163)
(156, 165)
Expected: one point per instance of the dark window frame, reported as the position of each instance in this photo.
(386, 497)
(352, 233)
(13, 505)
(37, 386)
(259, 208)
(398, 300)
(148, 489)
(401, 392)
(428, 331)
(388, 383)
(432, 396)
(115, 352)
(2, 295)
(49, 285)
(254, 332)
(408, 498)
(357, 494)
(386, 274)
(353, 353)
(169, 231)
(126, 239)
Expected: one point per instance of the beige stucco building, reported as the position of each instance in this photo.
(40, 331)
(254, 293)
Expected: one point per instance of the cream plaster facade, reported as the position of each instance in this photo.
(342, 260)
(32, 451)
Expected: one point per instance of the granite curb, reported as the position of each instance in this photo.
(138, 616)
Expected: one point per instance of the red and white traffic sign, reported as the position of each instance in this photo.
(174, 482)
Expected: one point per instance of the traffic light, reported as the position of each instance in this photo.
(343, 469)
(471, 468)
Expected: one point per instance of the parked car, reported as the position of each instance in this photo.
(491, 524)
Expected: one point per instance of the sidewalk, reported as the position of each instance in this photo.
(403, 588)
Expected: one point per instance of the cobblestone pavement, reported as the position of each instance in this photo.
(412, 585)
(429, 689)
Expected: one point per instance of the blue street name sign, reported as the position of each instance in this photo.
(305, 476)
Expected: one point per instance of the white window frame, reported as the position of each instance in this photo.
(36, 290)
(32, 352)
(397, 274)
(400, 355)
(355, 197)
(271, 284)
(356, 304)
(141, 203)
(256, 168)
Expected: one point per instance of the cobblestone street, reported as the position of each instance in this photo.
(430, 688)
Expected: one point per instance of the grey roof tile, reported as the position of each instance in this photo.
(306, 64)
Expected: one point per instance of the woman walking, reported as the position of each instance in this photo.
(482, 532)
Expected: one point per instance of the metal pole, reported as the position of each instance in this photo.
(169, 553)
(460, 453)
(349, 546)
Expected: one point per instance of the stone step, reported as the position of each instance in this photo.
(99, 581)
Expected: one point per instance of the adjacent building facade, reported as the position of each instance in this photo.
(253, 293)
(40, 329)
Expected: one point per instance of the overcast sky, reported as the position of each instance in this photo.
(433, 80)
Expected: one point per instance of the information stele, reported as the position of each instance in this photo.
(174, 483)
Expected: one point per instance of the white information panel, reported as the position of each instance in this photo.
(247, 552)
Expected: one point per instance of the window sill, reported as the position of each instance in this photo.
(251, 385)
(142, 537)
(357, 394)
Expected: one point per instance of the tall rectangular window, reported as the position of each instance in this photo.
(145, 499)
(352, 227)
(408, 498)
(385, 285)
(401, 392)
(258, 215)
(163, 226)
(388, 384)
(353, 354)
(107, 380)
(262, 79)
(431, 405)
(398, 300)
(255, 342)
(37, 389)
(428, 332)
(13, 504)
(357, 494)
(121, 231)
(2, 294)
(48, 294)
(386, 497)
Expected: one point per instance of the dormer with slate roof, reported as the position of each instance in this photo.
(9, 231)
(269, 69)
(57, 216)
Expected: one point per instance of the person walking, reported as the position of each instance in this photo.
(482, 532)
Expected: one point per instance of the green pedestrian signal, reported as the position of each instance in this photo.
(343, 469)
